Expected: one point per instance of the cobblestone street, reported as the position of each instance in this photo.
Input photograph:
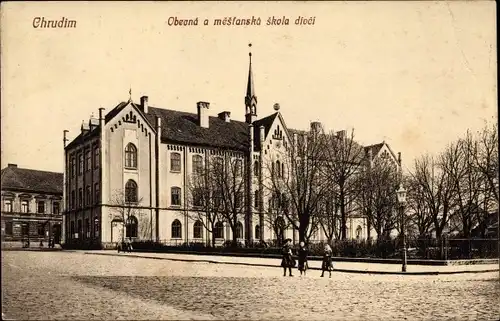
(74, 285)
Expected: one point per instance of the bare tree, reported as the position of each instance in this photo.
(377, 200)
(298, 175)
(417, 211)
(276, 215)
(437, 190)
(229, 181)
(204, 201)
(329, 215)
(126, 206)
(343, 160)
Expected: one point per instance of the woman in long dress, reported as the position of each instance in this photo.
(327, 261)
(287, 262)
(303, 258)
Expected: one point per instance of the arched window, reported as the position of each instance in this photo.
(131, 191)
(278, 168)
(283, 170)
(239, 230)
(175, 162)
(198, 230)
(256, 199)
(130, 156)
(197, 164)
(257, 232)
(219, 230)
(198, 196)
(131, 227)
(176, 229)
(238, 168)
(256, 168)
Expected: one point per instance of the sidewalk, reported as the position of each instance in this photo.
(348, 267)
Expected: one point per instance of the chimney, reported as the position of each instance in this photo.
(93, 122)
(399, 158)
(203, 113)
(85, 127)
(316, 126)
(225, 116)
(12, 165)
(144, 104)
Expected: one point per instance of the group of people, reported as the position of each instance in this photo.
(288, 261)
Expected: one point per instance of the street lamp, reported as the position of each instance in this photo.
(401, 193)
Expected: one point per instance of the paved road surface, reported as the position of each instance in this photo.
(74, 285)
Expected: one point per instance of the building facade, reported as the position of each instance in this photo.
(31, 204)
(128, 173)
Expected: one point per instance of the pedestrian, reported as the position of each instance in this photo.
(303, 258)
(327, 261)
(287, 262)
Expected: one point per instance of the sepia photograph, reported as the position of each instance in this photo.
(249, 160)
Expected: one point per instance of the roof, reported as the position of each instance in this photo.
(374, 148)
(182, 127)
(83, 137)
(30, 180)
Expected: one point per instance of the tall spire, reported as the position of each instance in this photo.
(250, 98)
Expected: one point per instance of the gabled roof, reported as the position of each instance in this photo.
(30, 180)
(182, 127)
(267, 122)
(374, 148)
(83, 137)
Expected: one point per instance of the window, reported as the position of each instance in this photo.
(272, 169)
(359, 231)
(217, 197)
(131, 191)
(238, 168)
(88, 156)
(25, 207)
(80, 197)
(175, 162)
(176, 229)
(239, 230)
(41, 229)
(131, 227)
(278, 168)
(257, 232)
(198, 230)
(197, 164)
(218, 165)
(55, 208)
(198, 196)
(73, 166)
(7, 206)
(96, 157)
(80, 164)
(96, 226)
(256, 198)
(130, 156)
(40, 207)
(238, 197)
(96, 193)
(256, 168)
(25, 229)
(283, 170)
(219, 230)
(176, 196)
(8, 228)
(88, 195)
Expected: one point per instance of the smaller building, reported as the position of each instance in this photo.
(31, 204)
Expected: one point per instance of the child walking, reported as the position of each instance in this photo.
(302, 258)
(327, 261)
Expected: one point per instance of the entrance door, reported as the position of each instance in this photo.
(56, 232)
(116, 231)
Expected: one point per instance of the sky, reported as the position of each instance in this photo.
(415, 74)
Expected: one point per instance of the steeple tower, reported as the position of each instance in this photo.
(250, 98)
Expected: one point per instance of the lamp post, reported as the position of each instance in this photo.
(401, 193)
